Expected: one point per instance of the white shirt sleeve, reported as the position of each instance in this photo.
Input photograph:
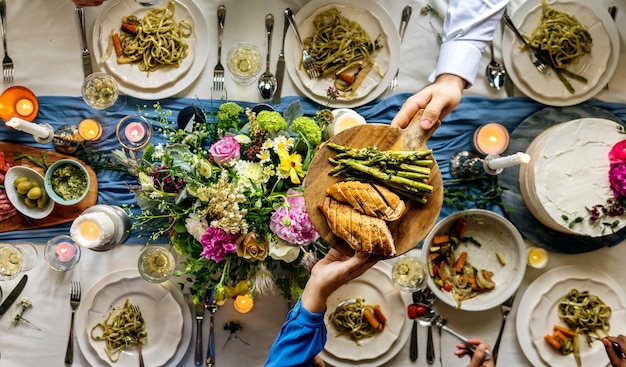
(468, 27)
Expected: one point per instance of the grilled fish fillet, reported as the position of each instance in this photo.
(362, 232)
(370, 199)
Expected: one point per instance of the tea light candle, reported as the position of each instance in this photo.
(90, 129)
(28, 127)
(243, 303)
(134, 132)
(537, 257)
(491, 138)
(92, 229)
(344, 119)
(497, 163)
(24, 107)
(65, 252)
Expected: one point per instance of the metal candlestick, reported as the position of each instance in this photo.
(466, 164)
(67, 140)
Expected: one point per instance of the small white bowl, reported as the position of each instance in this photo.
(495, 234)
(48, 181)
(18, 199)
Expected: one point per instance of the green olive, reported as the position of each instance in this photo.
(34, 193)
(30, 203)
(42, 202)
(19, 179)
(23, 187)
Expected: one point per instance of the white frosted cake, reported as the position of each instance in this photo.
(568, 175)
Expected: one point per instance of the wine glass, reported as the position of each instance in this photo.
(100, 90)
(16, 258)
(156, 264)
(409, 274)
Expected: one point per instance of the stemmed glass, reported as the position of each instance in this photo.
(16, 258)
(100, 90)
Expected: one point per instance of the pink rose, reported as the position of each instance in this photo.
(225, 150)
(618, 153)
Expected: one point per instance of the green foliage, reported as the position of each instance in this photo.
(480, 192)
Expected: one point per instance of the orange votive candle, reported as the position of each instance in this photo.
(90, 129)
(491, 138)
(243, 303)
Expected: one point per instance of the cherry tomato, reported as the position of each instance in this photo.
(447, 286)
(415, 311)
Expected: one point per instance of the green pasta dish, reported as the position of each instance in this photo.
(120, 330)
(341, 47)
(357, 319)
(586, 313)
(561, 41)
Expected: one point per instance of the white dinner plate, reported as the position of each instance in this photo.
(154, 300)
(165, 81)
(597, 67)
(375, 20)
(536, 313)
(375, 287)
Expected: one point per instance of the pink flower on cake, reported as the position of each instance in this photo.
(618, 153)
(617, 178)
(225, 150)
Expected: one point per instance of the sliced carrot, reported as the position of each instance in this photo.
(564, 330)
(440, 273)
(487, 275)
(460, 262)
(553, 342)
(379, 315)
(348, 78)
(372, 320)
(117, 43)
(458, 228)
(559, 336)
(441, 239)
(433, 256)
(130, 28)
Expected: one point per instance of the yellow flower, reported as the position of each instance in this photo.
(290, 165)
(249, 248)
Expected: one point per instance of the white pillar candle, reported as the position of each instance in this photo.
(508, 161)
(28, 127)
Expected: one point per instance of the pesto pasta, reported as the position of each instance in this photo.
(159, 40)
(120, 330)
(585, 312)
(349, 319)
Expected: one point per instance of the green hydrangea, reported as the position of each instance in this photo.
(308, 128)
(271, 121)
(228, 115)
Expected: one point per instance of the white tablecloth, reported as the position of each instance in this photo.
(44, 44)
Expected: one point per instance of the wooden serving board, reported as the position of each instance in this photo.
(60, 213)
(417, 220)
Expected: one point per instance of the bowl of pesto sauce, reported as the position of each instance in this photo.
(67, 182)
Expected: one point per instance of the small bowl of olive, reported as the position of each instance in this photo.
(67, 181)
(25, 189)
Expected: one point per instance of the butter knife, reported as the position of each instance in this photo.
(199, 320)
(280, 65)
(86, 55)
(13, 295)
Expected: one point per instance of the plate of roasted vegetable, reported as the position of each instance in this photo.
(375, 188)
(475, 258)
(576, 38)
(151, 51)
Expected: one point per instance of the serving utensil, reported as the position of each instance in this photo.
(413, 350)
(211, 305)
(199, 320)
(280, 64)
(218, 71)
(13, 295)
(534, 57)
(7, 62)
(86, 55)
(495, 72)
(406, 15)
(429, 298)
(74, 303)
(267, 81)
(139, 345)
(307, 60)
(417, 220)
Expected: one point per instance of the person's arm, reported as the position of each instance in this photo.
(468, 27)
(303, 334)
(477, 358)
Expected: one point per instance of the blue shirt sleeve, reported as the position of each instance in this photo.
(300, 339)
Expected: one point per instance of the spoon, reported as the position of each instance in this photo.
(428, 297)
(267, 81)
(495, 72)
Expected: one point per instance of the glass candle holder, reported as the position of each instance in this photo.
(537, 257)
(243, 303)
(61, 253)
(101, 227)
(133, 132)
(19, 102)
(156, 264)
(491, 138)
(100, 90)
(90, 129)
(409, 274)
(244, 63)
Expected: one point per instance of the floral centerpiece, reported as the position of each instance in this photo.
(228, 194)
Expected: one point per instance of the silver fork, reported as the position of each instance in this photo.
(506, 308)
(7, 63)
(406, 15)
(307, 60)
(218, 72)
(74, 302)
(540, 65)
(139, 345)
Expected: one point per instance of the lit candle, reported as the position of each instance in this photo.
(492, 138)
(243, 303)
(89, 230)
(134, 132)
(537, 257)
(24, 107)
(344, 119)
(89, 129)
(65, 252)
(28, 127)
(497, 163)
(92, 229)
